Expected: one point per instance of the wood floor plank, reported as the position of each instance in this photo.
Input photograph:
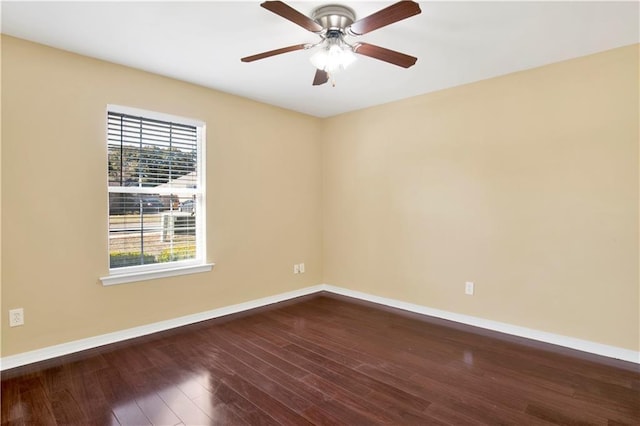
(324, 360)
(183, 407)
(128, 413)
(156, 410)
(243, 342)
(274, 408)
(66, 408)
(12, 407)
(557, 415)
(220, 412)
(319, 393)
(279, 392)
(244, 408)
(358, 409)
(349, 381)
(37, 405)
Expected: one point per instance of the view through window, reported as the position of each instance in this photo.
(155, 191)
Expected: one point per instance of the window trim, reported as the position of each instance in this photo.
(153, 271)
(174, 271)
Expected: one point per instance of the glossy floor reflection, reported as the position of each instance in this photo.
(324, 360)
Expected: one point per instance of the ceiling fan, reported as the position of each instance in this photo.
(333, 23)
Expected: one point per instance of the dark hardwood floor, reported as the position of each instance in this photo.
(324, 360)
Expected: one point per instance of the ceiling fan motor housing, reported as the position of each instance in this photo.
(334, 17)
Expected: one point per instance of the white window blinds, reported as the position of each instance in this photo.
(155, 192)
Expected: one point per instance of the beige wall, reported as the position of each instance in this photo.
(263, 183)
(526, 185)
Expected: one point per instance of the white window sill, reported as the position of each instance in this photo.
(150, 275)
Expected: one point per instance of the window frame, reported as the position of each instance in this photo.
(134, 273)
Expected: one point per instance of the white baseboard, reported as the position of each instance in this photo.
(514, 330)
(37, 355)
(118, 336)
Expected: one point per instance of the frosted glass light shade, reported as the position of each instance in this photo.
(333, 58)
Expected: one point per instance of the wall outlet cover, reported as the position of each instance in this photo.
(16, 317)
(468, 288)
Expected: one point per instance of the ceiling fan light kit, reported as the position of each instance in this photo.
(334, 55)
(333, 23)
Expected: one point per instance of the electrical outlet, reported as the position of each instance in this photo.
(301, 268)
(16, 317)
(468, 288)
(296, 269)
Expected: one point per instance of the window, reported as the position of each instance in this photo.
(156, 195)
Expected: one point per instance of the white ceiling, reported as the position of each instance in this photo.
(202, 43)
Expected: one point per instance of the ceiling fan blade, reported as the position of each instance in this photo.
(321, 77)
(394, 13)
(273, 52)
(387, 55)
(287, 12)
